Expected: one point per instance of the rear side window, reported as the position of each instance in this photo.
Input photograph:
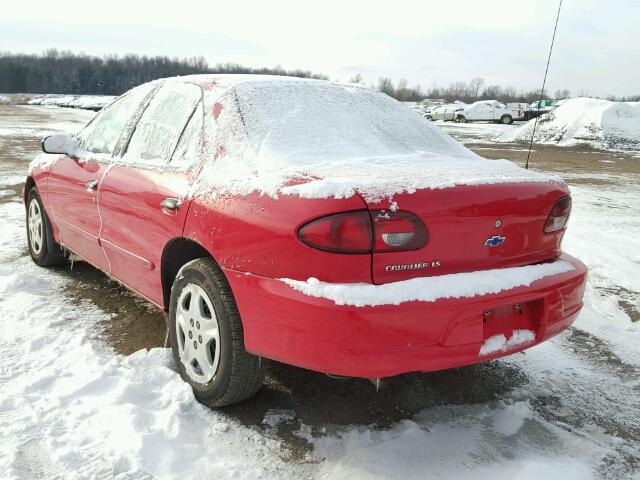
(190, 144)
(103, 133)
(157, 133)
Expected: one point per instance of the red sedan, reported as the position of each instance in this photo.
(322, 225)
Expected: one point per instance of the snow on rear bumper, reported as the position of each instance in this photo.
(424, 331)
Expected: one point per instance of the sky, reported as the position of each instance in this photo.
(597, 50)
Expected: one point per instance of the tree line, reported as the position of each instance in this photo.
(66, 72)
(70, 73)
(468, 92)
(474, 90)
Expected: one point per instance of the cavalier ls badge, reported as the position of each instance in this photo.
(412, 266)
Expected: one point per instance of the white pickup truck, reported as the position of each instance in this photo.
(490, 111)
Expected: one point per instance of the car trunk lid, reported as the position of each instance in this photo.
(472, 228)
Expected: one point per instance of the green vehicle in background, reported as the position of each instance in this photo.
(540, 107)
(546, 104)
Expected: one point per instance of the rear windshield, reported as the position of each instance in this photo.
(304, 122)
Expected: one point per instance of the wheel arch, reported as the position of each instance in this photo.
(28, 185)
(175, 254)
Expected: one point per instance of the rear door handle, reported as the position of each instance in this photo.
(169, 203)
(91, 185)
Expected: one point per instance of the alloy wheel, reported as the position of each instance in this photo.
(198, 334)
(35, 225)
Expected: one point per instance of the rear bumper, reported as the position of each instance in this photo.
(287, 325)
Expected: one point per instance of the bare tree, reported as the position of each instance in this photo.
(402, 93)
(492, 92)
(562, 94)
(509, 95)
(357, 78)
(385, 85)
(475, 84)
(458, 90)
(417, 93)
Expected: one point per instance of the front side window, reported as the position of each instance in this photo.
(157, 133)
(103, 133)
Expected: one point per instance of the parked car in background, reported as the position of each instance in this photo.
(350, 237)
(489, 111)
(443, 112)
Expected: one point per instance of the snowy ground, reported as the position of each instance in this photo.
(475, 132)
(71, 406)
(86, 102)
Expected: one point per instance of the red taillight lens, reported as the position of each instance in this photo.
(353, 232)
(348, 232)
(394, 231)
(559, 215)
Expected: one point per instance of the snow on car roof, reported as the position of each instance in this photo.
(318, 139)
(281, 135)
(228, 80)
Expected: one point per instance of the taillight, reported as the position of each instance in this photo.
(362, 231)
(559, 215)
(393, 231)
(348, 232)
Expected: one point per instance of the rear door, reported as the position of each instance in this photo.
(74, 183)
(143, 197)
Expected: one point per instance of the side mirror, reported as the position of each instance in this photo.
(60, 143)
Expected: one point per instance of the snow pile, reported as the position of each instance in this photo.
(52, 100)
(429, 289)
(91, 102)
(585, 121)
(316, 140)
(499, 343)
(4, 100)
(86, 102)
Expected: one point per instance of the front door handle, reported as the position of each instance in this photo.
(91, 185)
(171, 204)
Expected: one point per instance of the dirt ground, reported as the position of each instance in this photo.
(322, 402)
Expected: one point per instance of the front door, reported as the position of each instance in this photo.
(74, 183)
(144, 198)
(73, 186)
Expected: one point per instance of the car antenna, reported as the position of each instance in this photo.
(535, 123)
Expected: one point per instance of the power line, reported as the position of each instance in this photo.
(544, 82)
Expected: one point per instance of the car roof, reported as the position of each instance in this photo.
(207, 81)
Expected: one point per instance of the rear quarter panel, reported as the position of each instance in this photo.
(258, 234)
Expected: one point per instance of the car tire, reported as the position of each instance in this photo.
(506, 119)
(461, 119)
(222, 372)
(43, 249)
